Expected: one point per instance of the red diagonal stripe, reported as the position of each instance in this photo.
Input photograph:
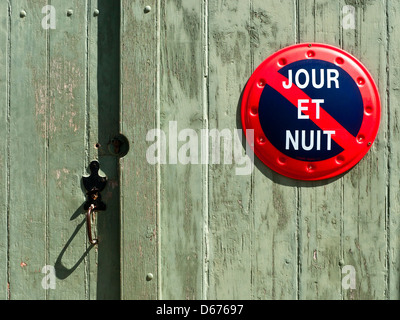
(325, 122)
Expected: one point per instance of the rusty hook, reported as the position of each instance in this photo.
(89, 224)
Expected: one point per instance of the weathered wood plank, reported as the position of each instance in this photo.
(28, 219)
(230, 196)
(107, 91)
(393, 143)
(138, 178)
(181, 197)
(365, 187)
(4, 162)
(274, 237)
(92, 138)
(320, 203)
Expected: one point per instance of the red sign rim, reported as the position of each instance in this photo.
(357, 147)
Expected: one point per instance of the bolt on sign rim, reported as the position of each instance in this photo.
(315, 111)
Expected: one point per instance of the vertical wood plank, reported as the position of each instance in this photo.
(230, 208)
(182, 119)
(393, 134)
(67, 154)
(4, 162)
(138, 179)
(28, 151)
(107, 91)
(365, 186)
(320, 202)
(274, 237)
(91, 139)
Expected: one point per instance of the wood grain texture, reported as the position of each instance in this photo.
(181, 192)
(275, 198)
(4, 147)
(230, 211)
(365, 220)
(319, 216)
(392, 136)
(66, 160)
(139, 113)
(108, 118)
(28, 217)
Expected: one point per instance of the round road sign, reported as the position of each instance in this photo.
(314, 109)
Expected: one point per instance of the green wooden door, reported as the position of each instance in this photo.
(183, 222)
(202, 230)
(59, 66)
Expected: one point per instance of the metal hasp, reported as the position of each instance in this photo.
(94, 184)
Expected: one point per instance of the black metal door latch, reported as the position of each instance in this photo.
(93, 184)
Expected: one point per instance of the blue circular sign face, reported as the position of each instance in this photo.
(305, 140)
(314, 110)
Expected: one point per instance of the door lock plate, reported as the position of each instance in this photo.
(94, 184)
